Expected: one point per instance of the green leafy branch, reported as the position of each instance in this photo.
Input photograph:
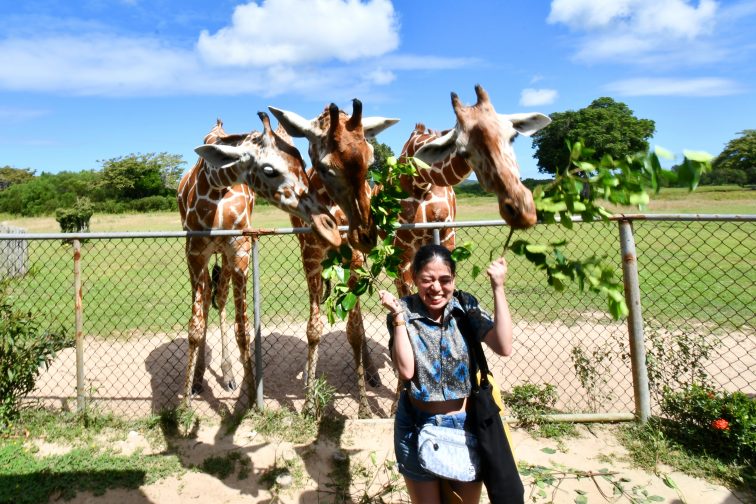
(579, 190)
(385, 207)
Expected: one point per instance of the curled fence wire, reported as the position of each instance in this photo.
(697, 281)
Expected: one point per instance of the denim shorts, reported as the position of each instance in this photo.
(407, 424)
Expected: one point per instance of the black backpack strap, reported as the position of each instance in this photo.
(474, 346)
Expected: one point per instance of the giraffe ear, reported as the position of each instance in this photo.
(527, 123)
(296, 125)
(218, 154)
(374, 125)
(438, 149)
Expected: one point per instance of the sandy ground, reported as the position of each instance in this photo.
(365, 445)
(145, 373)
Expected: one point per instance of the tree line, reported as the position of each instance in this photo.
(148, 182)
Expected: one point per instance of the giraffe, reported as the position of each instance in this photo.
(218, 194)
(340, 156)
(481, 141)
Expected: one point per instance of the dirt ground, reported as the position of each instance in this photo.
(365, 445)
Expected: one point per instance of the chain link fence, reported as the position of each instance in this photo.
(697, 286)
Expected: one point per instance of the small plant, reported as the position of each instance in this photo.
(530, 402)
(719, 423)
(593, 370)
(24, 348)
(322, 394)
(677, 360)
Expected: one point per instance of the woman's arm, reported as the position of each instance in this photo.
(401, 352)
(499, 338)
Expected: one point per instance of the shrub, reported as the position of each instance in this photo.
(24, 348)
(154, 204)
(530, 402)
(76, 218)
(719, 423)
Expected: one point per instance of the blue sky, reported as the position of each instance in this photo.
(96, 79)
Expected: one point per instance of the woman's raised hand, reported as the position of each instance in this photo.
(497, 272)
(389, 301)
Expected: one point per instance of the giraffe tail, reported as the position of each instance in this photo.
(214, 280)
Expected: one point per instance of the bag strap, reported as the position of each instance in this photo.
(477, 356)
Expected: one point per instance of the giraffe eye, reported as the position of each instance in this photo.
(269, 171)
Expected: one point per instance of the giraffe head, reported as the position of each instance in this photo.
(341, 155)
(269, 164)
(484, 139)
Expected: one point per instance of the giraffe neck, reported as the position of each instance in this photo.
(450, 171)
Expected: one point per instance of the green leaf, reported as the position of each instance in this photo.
(476, 271)
(700, 156)
(390, 161)
(663, 153)
(550, 451)
(640, 198)
(667, 479)
(537, 248)
(656, 498)
(581, 499)
(420, 163)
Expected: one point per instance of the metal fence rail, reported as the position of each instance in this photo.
(696, 281)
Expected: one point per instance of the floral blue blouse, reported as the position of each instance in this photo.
(442, 360)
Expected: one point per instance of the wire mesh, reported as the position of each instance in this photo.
(697, 290)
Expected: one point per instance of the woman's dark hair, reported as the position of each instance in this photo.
(428, 253)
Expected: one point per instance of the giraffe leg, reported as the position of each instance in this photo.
(314, 334)
(239, 276)
(197, 325)
(356, 337)
(221, 297)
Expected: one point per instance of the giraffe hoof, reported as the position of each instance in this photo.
(230, 385)
(197, 389)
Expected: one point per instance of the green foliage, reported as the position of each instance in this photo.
(530, 402)
(10, 176)
(381, 152)
(607, 126)
(578, 190)
(385, 208)
(24, 348)
(140, 175)
(137, 182)
(322, 394)
(593, 369)
(677, 360)
(737, 162)
(76, 218)
(719, 423)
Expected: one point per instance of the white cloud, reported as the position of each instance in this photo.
(341, 48)
(14, 114)
(532, 97)
(627, 30)
(302, 31)
(704, 86)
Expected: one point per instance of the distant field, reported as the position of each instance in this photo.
(709, 199)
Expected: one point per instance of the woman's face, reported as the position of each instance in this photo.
(435, 285)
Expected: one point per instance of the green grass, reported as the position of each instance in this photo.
(649, 446)
(26, 477)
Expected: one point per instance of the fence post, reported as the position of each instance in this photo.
(635, 321)
(256, 321)
(436, 236)
(81, 403)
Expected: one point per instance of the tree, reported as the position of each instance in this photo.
(141, 175)
(381, 151)
(737, 162)
(10, 176)
(606, 126)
